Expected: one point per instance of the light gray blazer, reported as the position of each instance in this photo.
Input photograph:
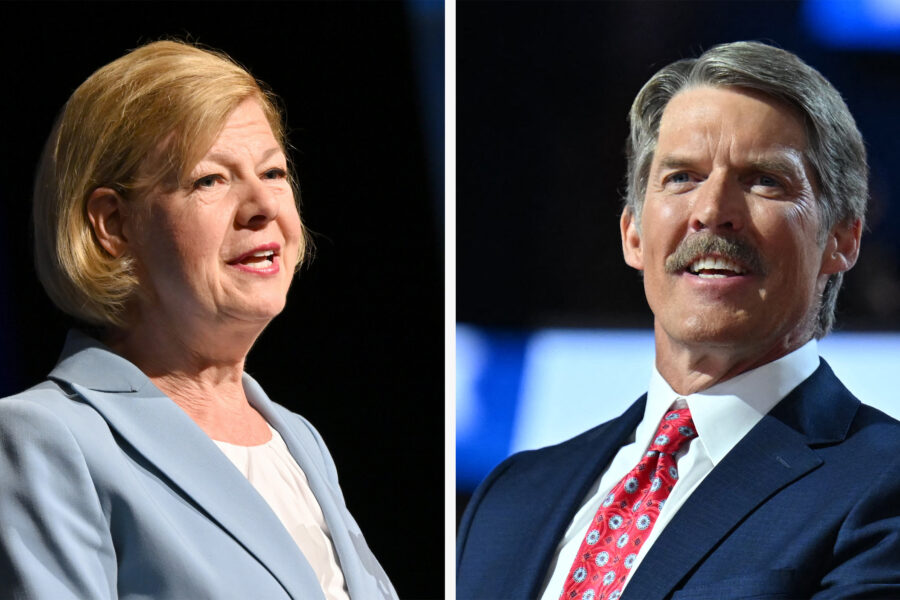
(109, 490)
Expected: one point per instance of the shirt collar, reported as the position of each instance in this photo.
(725, 412)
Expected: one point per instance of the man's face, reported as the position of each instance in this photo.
(729, 234)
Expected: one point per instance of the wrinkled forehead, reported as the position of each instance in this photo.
(742, 125)
(757, 118)
(174, 155)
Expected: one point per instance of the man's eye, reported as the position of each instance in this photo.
(767, 181)
(679, 178)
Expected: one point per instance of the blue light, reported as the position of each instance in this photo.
(855, 24)
(522, 390)
(488, 381)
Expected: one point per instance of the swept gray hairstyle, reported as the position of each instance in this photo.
(835, 147)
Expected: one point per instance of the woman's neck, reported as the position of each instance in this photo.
(202, 373)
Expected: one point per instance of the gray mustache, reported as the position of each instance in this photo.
(704, 243)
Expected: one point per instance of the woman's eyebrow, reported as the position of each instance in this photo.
(225, 157)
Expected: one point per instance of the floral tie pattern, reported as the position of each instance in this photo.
(627, 515)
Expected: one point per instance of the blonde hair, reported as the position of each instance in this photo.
(164, 102)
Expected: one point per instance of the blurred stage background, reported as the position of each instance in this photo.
(554, 334)
(359, 349)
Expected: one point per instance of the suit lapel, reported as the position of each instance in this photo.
(570, 477)
(772, 455)
(167, 438)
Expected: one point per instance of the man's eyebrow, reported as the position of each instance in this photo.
(673, 161)
(780, 165)
(776, 163)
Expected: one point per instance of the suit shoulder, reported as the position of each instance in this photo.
(528, 469)
(869, 415)
(877, 429)
(561, 450)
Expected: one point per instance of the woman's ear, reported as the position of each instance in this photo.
(107, 213)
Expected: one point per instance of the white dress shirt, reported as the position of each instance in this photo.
(278, 478)
(722, 415)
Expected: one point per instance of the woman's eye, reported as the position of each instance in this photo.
(275, 174)
(206, 181)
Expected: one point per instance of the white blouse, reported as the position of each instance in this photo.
(275, 474)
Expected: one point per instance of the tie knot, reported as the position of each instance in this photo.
(675, 428)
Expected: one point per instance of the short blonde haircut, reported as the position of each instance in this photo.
(165, 102)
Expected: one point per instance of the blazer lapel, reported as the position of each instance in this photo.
(349, 545)
(771, 456)
(167, 438)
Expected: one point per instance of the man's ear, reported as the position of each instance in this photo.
(107, 213)
(842, 247)
(631, 240)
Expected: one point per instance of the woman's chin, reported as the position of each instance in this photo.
(260, 313)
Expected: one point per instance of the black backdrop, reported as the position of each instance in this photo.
(359, 349)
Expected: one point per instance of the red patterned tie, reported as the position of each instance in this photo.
(627, 515)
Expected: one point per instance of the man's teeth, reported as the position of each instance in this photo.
(715, 267)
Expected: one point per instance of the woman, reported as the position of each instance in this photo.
(149, 464)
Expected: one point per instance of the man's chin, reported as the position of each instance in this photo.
(713, 330)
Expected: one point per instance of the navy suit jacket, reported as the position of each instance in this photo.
(806, 505)
(109, 490)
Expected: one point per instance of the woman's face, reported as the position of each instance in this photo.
(220, 248)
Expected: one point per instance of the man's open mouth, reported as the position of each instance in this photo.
(714, 267)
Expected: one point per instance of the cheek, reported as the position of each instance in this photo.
(187, 246)
(292, 229)
(656, 247)
(293, 226)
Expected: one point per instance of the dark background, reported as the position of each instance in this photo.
(543, 93)
(359, 349)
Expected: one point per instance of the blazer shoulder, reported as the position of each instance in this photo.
(56, 542)
(51, 405)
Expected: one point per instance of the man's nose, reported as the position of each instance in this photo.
(719, 205)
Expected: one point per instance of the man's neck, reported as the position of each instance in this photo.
(693, 368)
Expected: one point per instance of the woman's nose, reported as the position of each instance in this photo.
(258, 205)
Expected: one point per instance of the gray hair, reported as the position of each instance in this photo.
(835, 147)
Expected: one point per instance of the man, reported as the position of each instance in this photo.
(748, 469)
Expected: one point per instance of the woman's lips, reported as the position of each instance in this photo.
(262, 259)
